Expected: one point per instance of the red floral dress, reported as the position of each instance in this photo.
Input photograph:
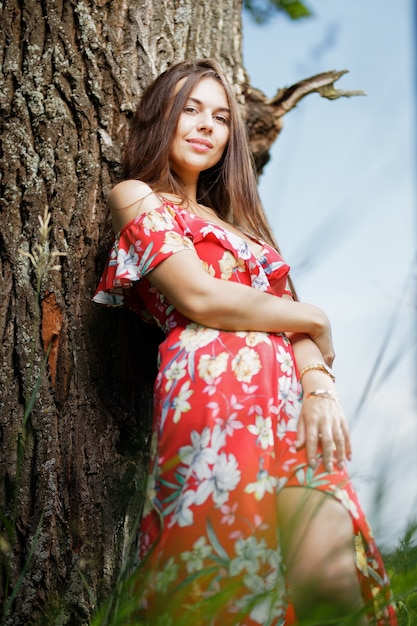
(225, 419)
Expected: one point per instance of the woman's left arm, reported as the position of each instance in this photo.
(321, 418)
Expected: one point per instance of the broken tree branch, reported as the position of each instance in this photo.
(264, 115)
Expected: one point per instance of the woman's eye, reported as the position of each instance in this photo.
(190, 109)
(222, 119)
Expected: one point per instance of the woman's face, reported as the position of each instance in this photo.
(202, 132)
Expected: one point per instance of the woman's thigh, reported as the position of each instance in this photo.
(317, 540)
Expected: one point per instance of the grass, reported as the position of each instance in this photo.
(43, 261)
(120, 608)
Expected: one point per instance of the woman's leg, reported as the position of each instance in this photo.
(317, 541)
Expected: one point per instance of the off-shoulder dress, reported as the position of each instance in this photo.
(226, 406)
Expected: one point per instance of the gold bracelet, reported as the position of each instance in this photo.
(321, 393)
(322, 367)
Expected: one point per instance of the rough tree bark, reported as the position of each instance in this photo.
(70, 467)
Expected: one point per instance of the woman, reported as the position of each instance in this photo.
(250, 516)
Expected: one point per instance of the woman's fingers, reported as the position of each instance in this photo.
(345, 450)
(301, 433)
(322, 428)
(327, 443)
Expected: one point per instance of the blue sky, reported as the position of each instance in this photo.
(340, 192)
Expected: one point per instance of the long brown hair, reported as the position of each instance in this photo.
(229, 187)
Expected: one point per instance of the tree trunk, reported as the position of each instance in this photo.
(72, 74)
(73, 433)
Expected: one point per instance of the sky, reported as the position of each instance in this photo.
(340, 193)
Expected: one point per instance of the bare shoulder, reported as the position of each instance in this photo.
(128, 199)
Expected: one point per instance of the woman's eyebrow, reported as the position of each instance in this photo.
(226, 109)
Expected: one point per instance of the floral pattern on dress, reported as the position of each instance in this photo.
(226, 406)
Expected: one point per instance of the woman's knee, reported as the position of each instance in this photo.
(317, 540)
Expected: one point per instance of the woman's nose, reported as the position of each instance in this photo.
(206, 121)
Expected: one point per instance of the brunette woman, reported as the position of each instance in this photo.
(250, 516)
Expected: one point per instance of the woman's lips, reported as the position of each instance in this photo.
(201, 145)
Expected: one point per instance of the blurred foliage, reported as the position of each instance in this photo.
(262, 10)
(121, 608)
(402, 569)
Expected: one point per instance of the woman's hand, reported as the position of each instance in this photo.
(322, 424)
(322, 427)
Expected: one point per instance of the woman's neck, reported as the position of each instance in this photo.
(190, 192)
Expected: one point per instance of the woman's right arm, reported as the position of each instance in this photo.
(231, 306)
(213, 302)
